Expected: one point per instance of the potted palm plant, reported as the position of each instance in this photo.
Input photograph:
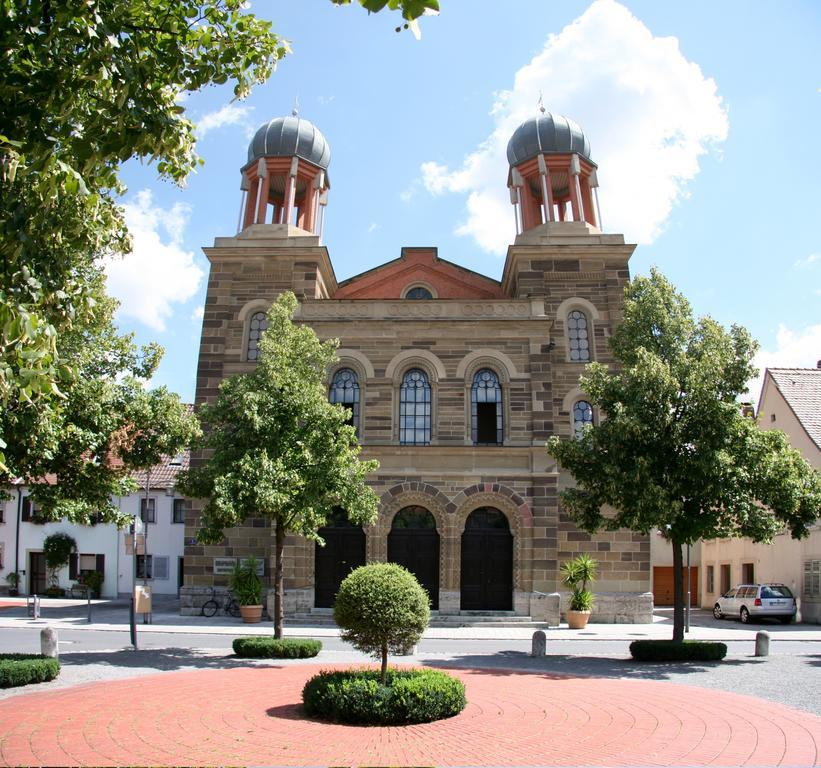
(576, 574)
(13, 580)
(247, 588)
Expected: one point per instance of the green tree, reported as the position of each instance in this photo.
(673, 451)
(57, 549)
(380, 608)
(83, 88)
(277, 449)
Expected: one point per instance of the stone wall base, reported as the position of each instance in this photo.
(619, 608)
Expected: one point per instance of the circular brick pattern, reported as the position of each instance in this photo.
(253, 716)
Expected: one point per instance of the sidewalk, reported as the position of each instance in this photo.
(112, 615)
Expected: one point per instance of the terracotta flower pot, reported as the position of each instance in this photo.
(577, 619)
(251, 614)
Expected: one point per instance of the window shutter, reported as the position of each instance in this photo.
(25, 514)
(73, 562)
(100, 565)
(160, 567)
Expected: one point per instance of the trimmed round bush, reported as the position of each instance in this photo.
(273, 648)
(24, 668)
(380, 608)
(358, 696)
(671, 650)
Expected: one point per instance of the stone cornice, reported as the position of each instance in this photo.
(446, 309)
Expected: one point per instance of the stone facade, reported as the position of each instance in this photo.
(516, 327)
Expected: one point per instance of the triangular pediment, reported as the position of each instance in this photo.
(419, 267)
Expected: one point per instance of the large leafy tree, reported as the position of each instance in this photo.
(673, 450)
(84, 86)
(277, 449)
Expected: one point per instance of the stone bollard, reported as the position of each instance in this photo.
(762, 643)
(48, 642)
(539, 645)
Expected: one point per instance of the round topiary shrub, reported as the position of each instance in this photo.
(671, 650)
(359, 696)
(380, 608)
(273, 648)
(24, 668)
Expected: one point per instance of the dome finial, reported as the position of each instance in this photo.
(541, 103)
(295, 110)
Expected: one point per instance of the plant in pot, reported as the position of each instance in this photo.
(94, 581)
(13, 580)
(247, 588)
(576, 574)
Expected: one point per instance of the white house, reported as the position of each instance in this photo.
(101, 547)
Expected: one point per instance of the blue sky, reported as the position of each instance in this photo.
(703, 118)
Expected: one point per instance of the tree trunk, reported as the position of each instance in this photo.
(279, 591)
(678, 593)
(384, 670)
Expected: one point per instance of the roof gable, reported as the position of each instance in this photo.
(419, 266)
(801, 390)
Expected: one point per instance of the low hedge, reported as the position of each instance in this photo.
(273, 648)
(671, 650)
(24, 668)
(356, 696)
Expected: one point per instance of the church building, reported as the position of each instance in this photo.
(455, 380)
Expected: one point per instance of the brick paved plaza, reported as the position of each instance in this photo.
(253, 716)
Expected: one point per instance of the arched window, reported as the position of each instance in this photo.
(418, 292)
(345, 391)
(414, 409)
(582, 415)
(256, 326)
(578, 336)
(486, 409)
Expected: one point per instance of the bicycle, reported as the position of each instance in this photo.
(212, 605)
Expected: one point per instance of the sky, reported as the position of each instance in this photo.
(704, 119)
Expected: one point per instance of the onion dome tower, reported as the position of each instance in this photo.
(550, 166)
(287, 169)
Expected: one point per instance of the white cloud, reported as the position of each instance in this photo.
(373, 227)
(230, 114)
(649, 114)
(812, 259)
(197, 314)
(794, 349)
(158, 272)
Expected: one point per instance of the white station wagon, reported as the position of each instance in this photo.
(757, 601)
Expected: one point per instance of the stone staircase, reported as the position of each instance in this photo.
(323, 617)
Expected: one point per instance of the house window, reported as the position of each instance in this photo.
(178, 512)
(711, 587)
(414, 409)
(157, 567)
(812, 578)
(418, 292)
(256, 327)
(80, 565)
(344, 390)
(748, 573)
(582, 416)
(578, 336)
(486, 409)
(148, 510)
(725, 579)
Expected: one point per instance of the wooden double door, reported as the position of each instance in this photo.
(344, 550)
(414, 544)
(487, 562)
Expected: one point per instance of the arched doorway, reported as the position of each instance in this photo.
(414, 543)
(344, 550)
(487, 562)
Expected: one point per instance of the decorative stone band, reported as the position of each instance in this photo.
(492, 309)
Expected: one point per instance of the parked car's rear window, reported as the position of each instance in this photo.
(775, 591)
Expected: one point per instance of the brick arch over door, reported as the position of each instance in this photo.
(418, 495)
(519, 518)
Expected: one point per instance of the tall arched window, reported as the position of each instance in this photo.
(345, 391)
(414, 409)
(486, 409)
(578, 336)
(582, 415)
(256, 326)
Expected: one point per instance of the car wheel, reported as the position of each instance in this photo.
(745, 616)
(717, 611)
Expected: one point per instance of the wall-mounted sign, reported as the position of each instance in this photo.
(224, 565)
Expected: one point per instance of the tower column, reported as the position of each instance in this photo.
(263, 191)
(290, 192)
(547, 191)
(573, 178)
